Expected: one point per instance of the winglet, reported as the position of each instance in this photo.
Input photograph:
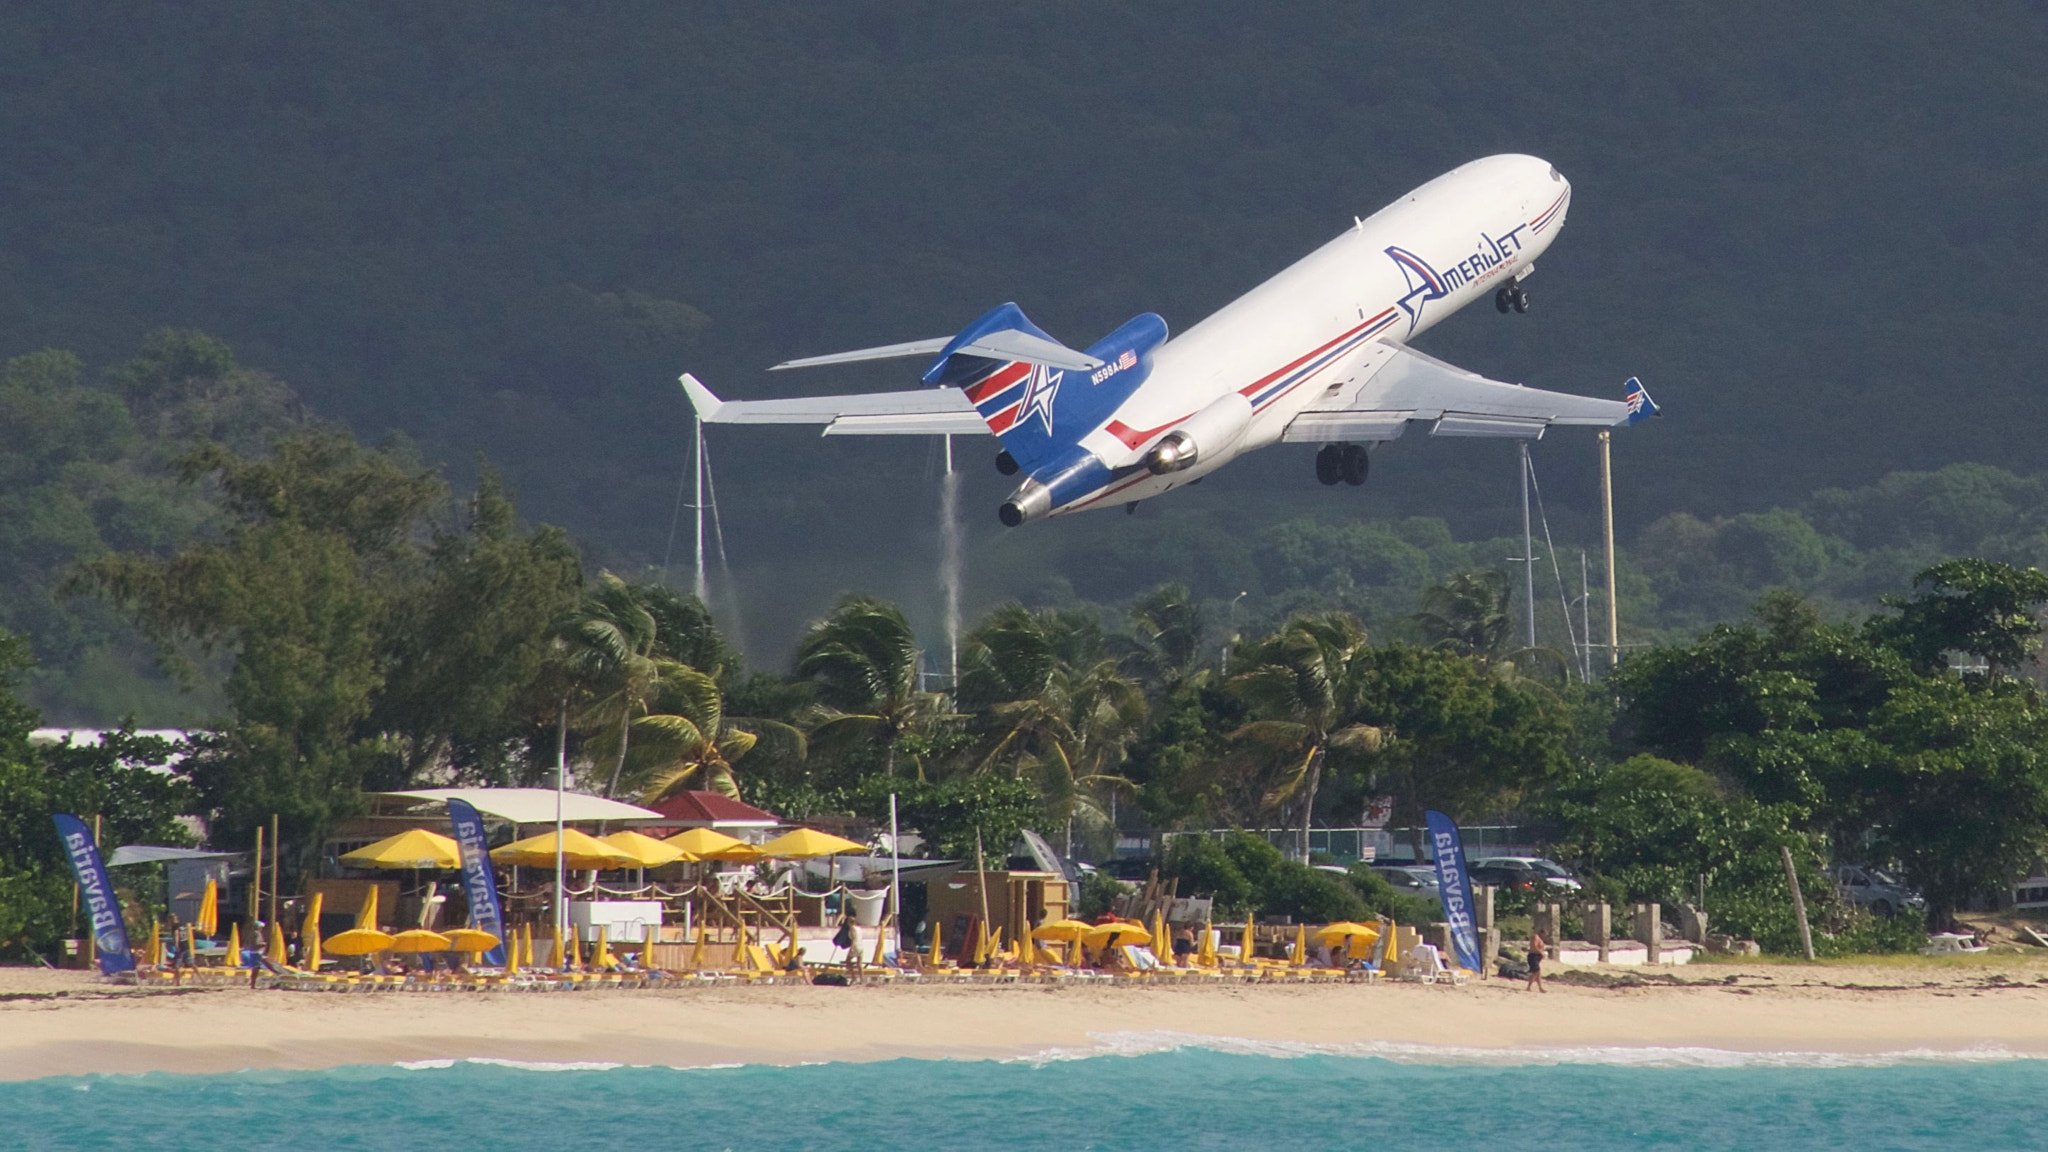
(706, 404)
(1640, 406)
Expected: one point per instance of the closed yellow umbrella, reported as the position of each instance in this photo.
(1026, 954)
(414, 848)
(277, 954)
(1393, 944)
(421, 940)
(208, 920)
(579, 850)
(561, 956)
(697, 951)
(1299, 955)
(366, 915)
(365, 937)
(1205, 955)
(601, 956)
(309, 935)
(806, 843)
(1249, 945)
(234, 945)
(646, 851)
(938, 946)
(1162, 944)
(156, 943)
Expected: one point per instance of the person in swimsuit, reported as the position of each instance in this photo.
(1535, 962)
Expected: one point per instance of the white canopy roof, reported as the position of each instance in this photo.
(537, 805)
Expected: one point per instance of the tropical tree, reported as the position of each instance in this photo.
(688, 740)
(611, 638)
(1469, 614)
(864, 660)
(1305, 684)
(1053, 707)
(1166, 638)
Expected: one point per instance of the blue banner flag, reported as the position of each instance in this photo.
(477, 876)
(1454, 886)
(109, 935)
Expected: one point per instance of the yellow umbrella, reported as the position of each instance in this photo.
(561, 956)
(309, 935)
(1063, 930)
(471, 940)
(1299, 955)
(1205, 955)
(360, 942)
(646, 851)
(1026, 954)
(1343, 929)
(1393, 944)
(1161, 942)
(702, 842)
(601, 956)
(277, 955)
(208, 920)
(1122, 932)
(415, 848)
(156, 943)
(579, 850)
(234, 945)
(805, 843)
(697, 951)
(938, 955)
(421, 940)
(1246, 949)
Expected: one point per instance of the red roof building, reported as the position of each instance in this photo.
(710, 810)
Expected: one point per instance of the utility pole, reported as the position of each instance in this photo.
(1585, 623)
(1528, 556)
(949, 534)
(702, 589)
(1607, 519)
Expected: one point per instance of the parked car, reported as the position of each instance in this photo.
(1876, 889)
(1408, 879)
(1523, 873)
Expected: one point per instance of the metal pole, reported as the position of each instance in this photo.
(1585, 623)
(1607, 518)
(947, 530)
(276, 876)
(254, 910)
(1528, 550)
(702, 589)
(561, 785)
(895, 877)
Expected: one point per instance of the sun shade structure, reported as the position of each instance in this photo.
(1062, 930)
(705, 844)
(646, 851)
(1100, 935)
(804, 843)
(579, 850)
(519, 805)
(421, 940)
(471, 940)
(414, 848)
(1344, 929)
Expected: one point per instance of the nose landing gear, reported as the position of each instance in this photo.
(1346, 463)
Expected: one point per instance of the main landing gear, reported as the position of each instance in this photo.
(1343, 462)
(1511, 296)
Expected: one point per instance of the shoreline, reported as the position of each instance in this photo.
(61, 1024)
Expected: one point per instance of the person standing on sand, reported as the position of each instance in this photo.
(1535, 962)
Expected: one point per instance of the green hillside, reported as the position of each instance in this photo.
(503, 229)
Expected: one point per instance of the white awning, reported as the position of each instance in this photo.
(536, 805)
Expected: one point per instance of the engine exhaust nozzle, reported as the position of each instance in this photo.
(1031, 501)
(1175, 451)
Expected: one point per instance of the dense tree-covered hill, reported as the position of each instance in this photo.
(1814, 230)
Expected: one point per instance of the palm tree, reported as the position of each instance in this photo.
(1167, 631)
(1055, 707)
(688, 740)
(611, 641)
(864, 660)
(1468, 614)
(1305, 683)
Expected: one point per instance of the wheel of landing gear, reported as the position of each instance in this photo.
(1521, 300)
(1502, 301)
(1357, 465)
(1330, 464)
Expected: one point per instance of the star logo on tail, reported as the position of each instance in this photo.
(1039, 394)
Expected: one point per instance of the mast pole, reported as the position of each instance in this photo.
(701, 588)
(1607, 520)
(1528, 550)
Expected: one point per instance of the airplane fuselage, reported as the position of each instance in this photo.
(1244, 373)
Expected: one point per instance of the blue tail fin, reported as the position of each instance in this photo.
(1640, 406)
(1038, 409)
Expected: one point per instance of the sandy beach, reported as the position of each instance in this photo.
(61, 1023)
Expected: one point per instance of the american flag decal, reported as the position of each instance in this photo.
(1128, 360)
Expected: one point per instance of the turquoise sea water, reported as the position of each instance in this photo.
(1160, 1101)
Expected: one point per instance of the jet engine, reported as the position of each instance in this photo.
(1213, 431)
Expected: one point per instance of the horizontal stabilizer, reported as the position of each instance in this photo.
(885, 352)
(924, 412)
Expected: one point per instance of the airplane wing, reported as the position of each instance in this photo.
(924, 412)
(1387, 386)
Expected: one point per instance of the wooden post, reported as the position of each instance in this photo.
(1798, 901)
(1607, 518)
(254, 904)
(276, 877)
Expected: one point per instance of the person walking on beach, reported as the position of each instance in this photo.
(1535, 962)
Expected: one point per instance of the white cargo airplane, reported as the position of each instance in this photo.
(1319, 353)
